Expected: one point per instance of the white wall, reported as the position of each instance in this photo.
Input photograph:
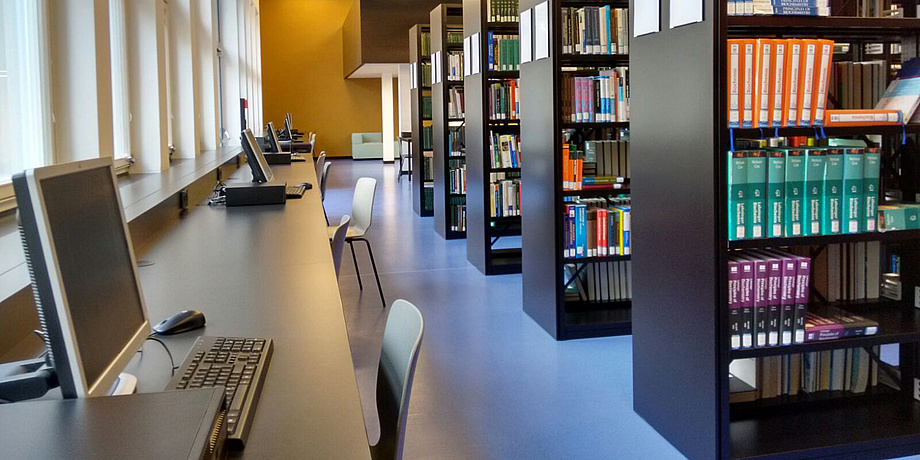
(184, 76)
(147, 84)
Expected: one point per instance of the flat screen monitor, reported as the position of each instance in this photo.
(254, 157)
(287, 129)
(273, 138)
(84, 274)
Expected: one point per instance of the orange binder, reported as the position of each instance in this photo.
(791, 82)
(778, 70)
(763, 58)
(735, 57)
(824, 56)
(862, 117)
(747, 95)
(807, 83)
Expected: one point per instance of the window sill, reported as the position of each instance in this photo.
(139, 194)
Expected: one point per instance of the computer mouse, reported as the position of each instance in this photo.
(185, 320)
(307, 185)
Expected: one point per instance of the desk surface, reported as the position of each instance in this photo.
(264, 271)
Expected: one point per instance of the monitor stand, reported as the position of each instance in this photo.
(126, 384)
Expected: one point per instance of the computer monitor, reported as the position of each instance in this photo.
(287, 129)
(257, 164)
(273, 138)
(83, 271)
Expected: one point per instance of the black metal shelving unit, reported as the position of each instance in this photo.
(543, 195)
(447, 222)
(680, 316)
(484, 230)
(422, 183)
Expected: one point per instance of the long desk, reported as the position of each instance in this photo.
(264, 271)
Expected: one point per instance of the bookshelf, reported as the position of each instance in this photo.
(422, 181)
(546, 272)
(449, 154)
(680, 318)
(485, 230)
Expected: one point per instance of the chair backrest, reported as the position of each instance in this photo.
(338, 243)
(320, 163)
(322, 181)
(402, 339)
(362, 205)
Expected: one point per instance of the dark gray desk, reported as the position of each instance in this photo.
(264, 271)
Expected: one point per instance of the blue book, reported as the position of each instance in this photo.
(581, 230)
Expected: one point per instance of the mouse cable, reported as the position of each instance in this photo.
(172, 363)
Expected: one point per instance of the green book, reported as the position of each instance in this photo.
(795, 191)
(871, 165)
(737, 194)
(757, 190)
(912, 216)
(815, 166)
(893, 217)
(776, 192)
(852, 213)
(833, 192)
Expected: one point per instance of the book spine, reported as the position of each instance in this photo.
(871, 167)
(802, 281)
(757, 193)
(776, 193)
(792, 83)
(795, 192)
(747, 303)
(734, 83)
(734, 304)
(787, 314)
(581, 231)
(761, 287)
(816, 163)
(853, 184)
(774, 300)
(779, 73)
(762, 83)
(833, 192)
(747, 65)
(807, 78)
(825, 51)
(738, 195)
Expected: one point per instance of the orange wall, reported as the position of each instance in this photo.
(302, 73)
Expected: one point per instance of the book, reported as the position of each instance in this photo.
(871, 166)
(824, 54)
(815, 167)
(807, 82)
(863, 117)
(735, 66)
(830, 323)
(788, 280)
(802, 283)
(792, 83)
(795, 192)
(776, 193)
(734, 303)
(746, 300)
(747, 65)
(833, 192)
(737, 195)
(778, 83)
(757, 193)
(763, 59)
(852, 214)
(903, 94)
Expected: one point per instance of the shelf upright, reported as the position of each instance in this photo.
(450, 204)
(543, 197)
(681, 339)
(419, 61)
(483, 229)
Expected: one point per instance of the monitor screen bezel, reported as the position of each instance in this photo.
(77, 376)
(261, 172)
(273, 138)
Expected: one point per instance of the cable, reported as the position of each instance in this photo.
(172, 363)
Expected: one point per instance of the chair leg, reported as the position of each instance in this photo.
(376, 276)
(355, 259)
(325, 215)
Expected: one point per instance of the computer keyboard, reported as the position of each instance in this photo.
(296, 191)
(298, 157)
(237, 364)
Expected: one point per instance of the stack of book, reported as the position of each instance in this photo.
(426, 107)
(502, 10)
(899, 216)
(454, 37)
(426, 44)
(457, 213)
(504, 100)
(504, 52)
(802, 191)
(505, 150)
(850, 370)
(454, 69)
(427, 138)
(427, 197)
(598, 282)
(774, 82)
(456, 139)
(457, 179)
(596, 227)
(456, 106)
(599, 165)
(779, 8)
(505, 195)
(602, 98)
(858, 85)
(595, 30)
(426, 74)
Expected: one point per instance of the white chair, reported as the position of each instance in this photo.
(320, 164)
(322, 189)
(338, 243)
(402, 340)
(362, 210)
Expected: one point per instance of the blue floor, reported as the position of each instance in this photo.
(490, 383)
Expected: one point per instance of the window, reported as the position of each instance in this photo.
(25, 102)
(121, 127)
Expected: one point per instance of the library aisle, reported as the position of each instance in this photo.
(490, 382)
